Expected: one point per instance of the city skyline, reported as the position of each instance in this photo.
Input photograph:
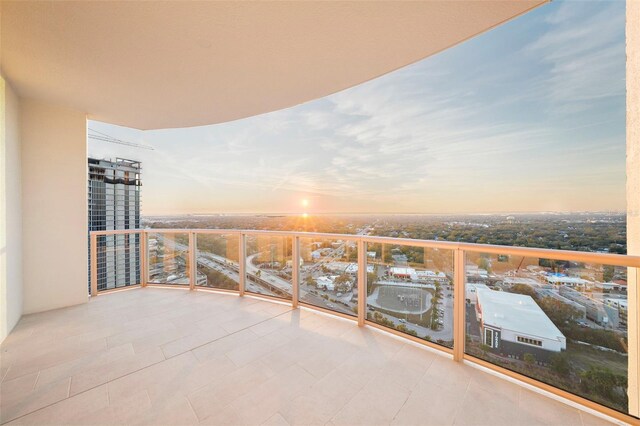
(454, 133)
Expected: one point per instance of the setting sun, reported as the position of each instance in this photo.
(305, 202)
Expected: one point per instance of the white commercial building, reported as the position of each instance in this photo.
(401, 272)
(325, 283)
(352, 268)
(568, 281)
(430, 277)
(513, 324)
(471, 292)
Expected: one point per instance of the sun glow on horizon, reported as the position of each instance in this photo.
(540, 128)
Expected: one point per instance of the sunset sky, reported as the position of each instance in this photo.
(527, 117)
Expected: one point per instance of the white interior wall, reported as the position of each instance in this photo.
(54, 202)
(10, 211)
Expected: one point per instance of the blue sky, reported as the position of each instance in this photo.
(527, 117)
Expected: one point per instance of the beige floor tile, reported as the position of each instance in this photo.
(224, 344)
(85, 408)
(376, 404)
(591, 420)
(214, 397)
(536, 409)
(482, 407)
(177, 357)
(192, 341)
(430, 404)
(276, 420)
(114, 369)
(32, 360)
(16, 401)
(87, 362)
(176, 411)
(255, 350)
(453, 375)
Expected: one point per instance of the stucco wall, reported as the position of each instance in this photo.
(54, 201)
(10, 211)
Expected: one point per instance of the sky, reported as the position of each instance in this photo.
(527, 117)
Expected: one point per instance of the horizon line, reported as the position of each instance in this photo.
(544, 212)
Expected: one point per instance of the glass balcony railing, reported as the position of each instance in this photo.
(410, 289)
(329, 274)
(269, 265)
(559, 320)
(168, 258)
(218, 265)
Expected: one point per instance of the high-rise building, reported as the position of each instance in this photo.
(114, 204)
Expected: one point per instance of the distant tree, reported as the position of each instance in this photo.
(607, 273)
(523, 289)
(603, 382)
(372, 278)
(309, 280)
(560, 313)
(530, 359)
(343, 282)
(484, 263)
(560, 364)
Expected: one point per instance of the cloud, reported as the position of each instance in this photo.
(501, 122)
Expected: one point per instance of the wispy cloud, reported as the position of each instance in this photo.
(529, 116)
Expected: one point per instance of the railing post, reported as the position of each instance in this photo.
(362, 282)
(193, 265)
(94, 264)
(144, 259)
(295, 272)
(458, 304)
(242, 262)
(633, 338)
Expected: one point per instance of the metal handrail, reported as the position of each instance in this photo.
(570, 255)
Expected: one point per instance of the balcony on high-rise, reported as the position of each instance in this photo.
(243, 326)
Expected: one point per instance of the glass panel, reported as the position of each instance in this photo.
(563, 323)
(269, 265)
(217, 256)
(410, 289)
(329, 274)
(118, 261)
(168, 258)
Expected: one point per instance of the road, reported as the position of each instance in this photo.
(268, 279)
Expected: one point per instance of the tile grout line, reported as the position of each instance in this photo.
(230, 334)
(459, 409)
(410, 393)
(143, 368)
(35, 384)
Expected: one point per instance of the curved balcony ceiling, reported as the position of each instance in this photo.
(151, 65)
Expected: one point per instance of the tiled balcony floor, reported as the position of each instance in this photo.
(163, 356)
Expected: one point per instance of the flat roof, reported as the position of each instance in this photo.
(564, 279)
(402, 270)
(516, 312)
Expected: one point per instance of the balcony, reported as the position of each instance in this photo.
(184, 345)
(229, 326)
(171, 356)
